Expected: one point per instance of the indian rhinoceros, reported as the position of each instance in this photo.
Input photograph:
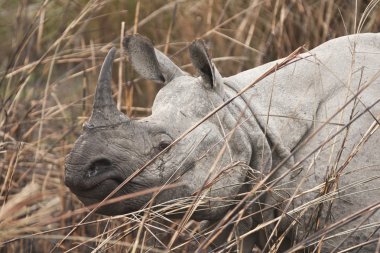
(286, 154)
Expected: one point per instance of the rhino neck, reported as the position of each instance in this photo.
(268, 145)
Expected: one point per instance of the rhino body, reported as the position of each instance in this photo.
(311, 125)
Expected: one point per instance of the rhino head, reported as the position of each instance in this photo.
(113, 146)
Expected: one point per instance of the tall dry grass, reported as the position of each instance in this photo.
(51, 52)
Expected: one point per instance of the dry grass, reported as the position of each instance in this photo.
(52, 51)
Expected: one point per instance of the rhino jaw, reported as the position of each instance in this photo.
(95, 185)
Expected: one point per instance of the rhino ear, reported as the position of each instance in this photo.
(148, 61)
(202, 62)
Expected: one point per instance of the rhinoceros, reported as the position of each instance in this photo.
(284, 156)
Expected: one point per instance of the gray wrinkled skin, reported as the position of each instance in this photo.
(298, 99)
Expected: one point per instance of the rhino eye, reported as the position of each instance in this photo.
(163, 145)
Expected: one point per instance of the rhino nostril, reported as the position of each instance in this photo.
(98, 167)
(92, 171)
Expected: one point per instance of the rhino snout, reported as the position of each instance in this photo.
(91, 175)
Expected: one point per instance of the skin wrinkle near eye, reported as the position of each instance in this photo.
(133, 152)
(169, 157)
(189, 165)
(183, 161)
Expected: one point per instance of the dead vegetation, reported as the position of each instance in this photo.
(51, 55)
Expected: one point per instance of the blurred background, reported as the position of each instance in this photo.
(51, 53)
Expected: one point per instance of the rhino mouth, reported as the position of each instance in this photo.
(103, 189)
(92, 190)
(89, 181)
(98, 190)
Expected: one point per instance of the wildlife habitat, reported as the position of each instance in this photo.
(51, 55)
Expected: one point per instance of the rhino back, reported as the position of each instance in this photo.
(341, 161)
(293, 95)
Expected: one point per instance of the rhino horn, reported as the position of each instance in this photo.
(104, 111)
